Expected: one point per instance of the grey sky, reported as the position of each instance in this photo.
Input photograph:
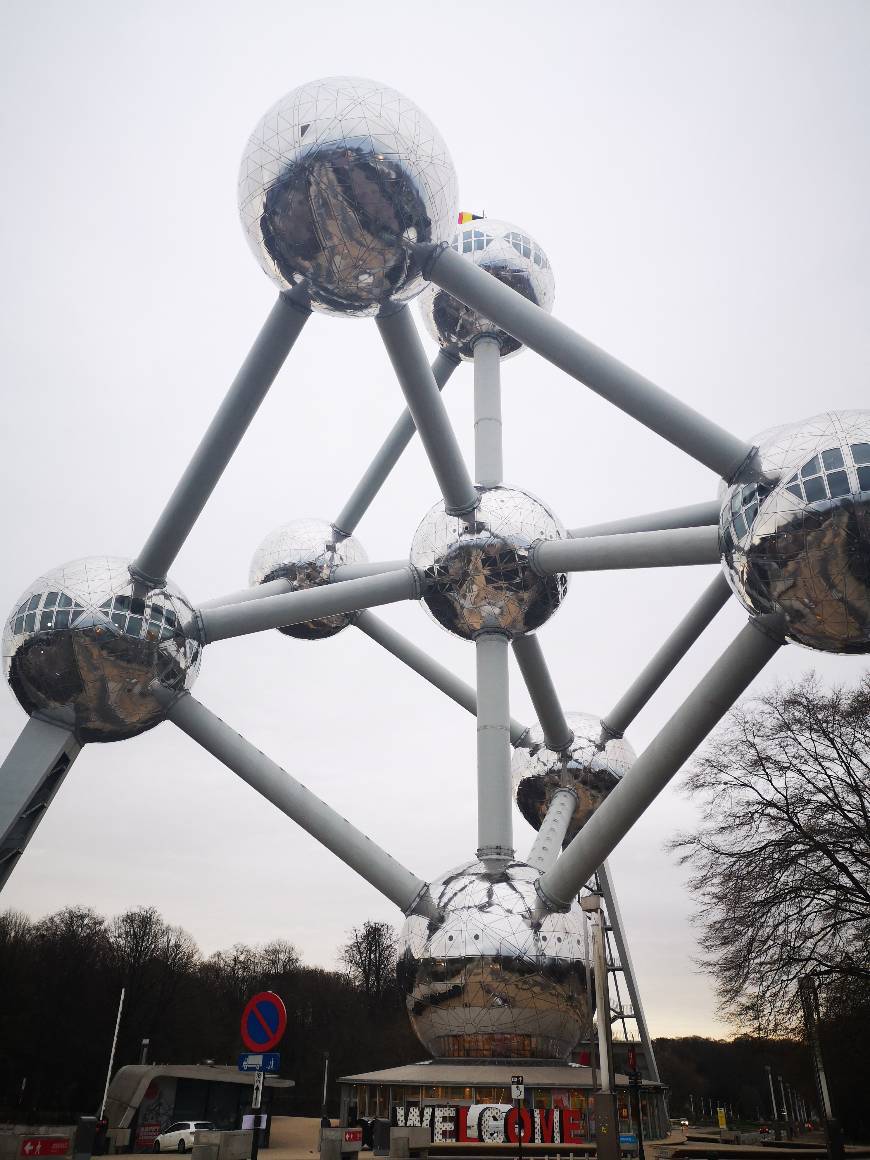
(698, 176)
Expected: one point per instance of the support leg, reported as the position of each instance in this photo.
(613, 914)
(223, 436)
(405, 889)
(706, 705)
(29, 778)
(494, 798)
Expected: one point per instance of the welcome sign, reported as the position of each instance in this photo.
(494, 1123)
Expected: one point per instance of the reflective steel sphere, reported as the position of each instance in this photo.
(797, 541)
(306, 553)
(336, 179)
(86, 641)
(509, 254)
(477, 572)
(592, 767)
(487, 982)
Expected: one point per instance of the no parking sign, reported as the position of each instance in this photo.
(264, 1021)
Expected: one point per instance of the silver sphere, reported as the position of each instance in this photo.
(86, 641)
(336, 180)
(592, 766)
(509, 254)
(797, 541)
(306, 553)
(477, 573)
(489, 981)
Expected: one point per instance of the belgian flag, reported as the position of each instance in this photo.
(469, 217)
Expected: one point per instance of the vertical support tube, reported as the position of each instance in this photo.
(267, 355)
(613, 913)
(388, 456)
(112, 1054)
(602, 1001)
(428, 410)
(488, 466)
(494, 822)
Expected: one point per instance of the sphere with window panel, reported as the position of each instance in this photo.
(87, 644)
(508, 253)
(795, 538)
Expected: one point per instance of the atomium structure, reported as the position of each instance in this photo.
(348, 198)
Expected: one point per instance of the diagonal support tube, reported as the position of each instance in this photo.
(558, 734)
(281, 585)
(248, 616)
(405, 889)
(427, 667)
(615, 917)
(29, 778)
(428, 411)
(274, 342)
(554, 827)
(666, 549)
(669, 417)
(695, 515)
(388, 456)
(494, 797)
(706, 705)
(488, 462)
(712, 600)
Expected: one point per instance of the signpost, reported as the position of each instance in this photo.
(264, 1021)
(518, 1095)
(45, 1146)
(634, 1085)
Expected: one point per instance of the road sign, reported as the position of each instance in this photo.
(264, 1021)
(45, 1146)
(628, 1138)
(518, 1087)
(268, 1061)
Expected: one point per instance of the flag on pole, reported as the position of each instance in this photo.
(469, 217)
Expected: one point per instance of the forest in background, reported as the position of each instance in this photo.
(60, 978)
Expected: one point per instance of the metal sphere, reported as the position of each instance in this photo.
(490, 981)
(476, 569)
(592, 766)
(335, 181)
(86, 641)
(797, 541)
(306, 553)
(509, 254)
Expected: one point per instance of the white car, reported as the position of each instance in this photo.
(178, 1137)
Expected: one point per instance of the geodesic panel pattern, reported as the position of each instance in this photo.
(336, 179)
(86, 641)
(489, 980)
(509, 254)
(592, 766)
(476, 568)
(797, 541)
(306, 553)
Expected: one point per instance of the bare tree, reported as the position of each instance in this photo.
(781, 861)
(370, 958)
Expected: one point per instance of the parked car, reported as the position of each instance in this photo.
(178, 1137)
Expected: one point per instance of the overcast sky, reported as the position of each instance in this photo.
(697, 174)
